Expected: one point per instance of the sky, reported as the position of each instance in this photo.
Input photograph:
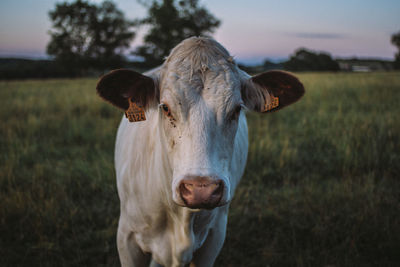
(252, 30)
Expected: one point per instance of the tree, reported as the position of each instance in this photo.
(306, 60)
(396, 42)
(89, 36)
(170, 23)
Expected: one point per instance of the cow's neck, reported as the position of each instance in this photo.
(189, 230)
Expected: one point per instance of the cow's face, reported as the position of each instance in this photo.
(201, 95)
(200, 115)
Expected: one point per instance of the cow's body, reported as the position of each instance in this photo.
(173, 234)
(178, 170)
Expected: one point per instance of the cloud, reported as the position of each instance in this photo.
(316, 35)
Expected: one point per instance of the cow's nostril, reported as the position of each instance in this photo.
(186, 189)
(218, 189)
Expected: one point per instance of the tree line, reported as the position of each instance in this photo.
(88, 39)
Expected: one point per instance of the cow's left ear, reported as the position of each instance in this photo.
(120, 86)
(271, 91)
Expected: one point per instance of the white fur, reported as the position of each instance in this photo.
(201, 85)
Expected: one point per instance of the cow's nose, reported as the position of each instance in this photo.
(201, 192)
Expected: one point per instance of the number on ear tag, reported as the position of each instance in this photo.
(274, 103)
(135, 112)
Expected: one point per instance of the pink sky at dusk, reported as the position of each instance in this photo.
(251, 30)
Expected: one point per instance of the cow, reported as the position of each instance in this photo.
(182, 149)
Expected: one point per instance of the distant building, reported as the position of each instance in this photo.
(364, 65)
(347, 65)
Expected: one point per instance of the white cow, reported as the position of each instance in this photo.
(178, 170)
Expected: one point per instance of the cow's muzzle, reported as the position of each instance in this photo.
(201, 192)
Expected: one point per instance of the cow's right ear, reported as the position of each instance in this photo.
(120, 85)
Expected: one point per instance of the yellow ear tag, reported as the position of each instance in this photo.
(135, 112)
(274, 103)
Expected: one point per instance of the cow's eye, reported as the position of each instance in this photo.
(235, 113)
(165, 109)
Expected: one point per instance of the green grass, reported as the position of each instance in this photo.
(321, 186)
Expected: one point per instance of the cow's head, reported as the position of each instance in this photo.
(201, 96)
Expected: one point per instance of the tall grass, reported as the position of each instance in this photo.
(321, 186)
(59, 205)
(322, 182)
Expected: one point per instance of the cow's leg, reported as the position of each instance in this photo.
(206, 255)
(130, 254)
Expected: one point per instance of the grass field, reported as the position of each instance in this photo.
(321, 186)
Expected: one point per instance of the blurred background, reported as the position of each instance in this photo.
(321, 186)
(88, 37)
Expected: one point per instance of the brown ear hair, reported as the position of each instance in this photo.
(120, 85)
(271, 91)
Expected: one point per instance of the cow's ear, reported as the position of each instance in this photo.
(271, 91)
(120, 85)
